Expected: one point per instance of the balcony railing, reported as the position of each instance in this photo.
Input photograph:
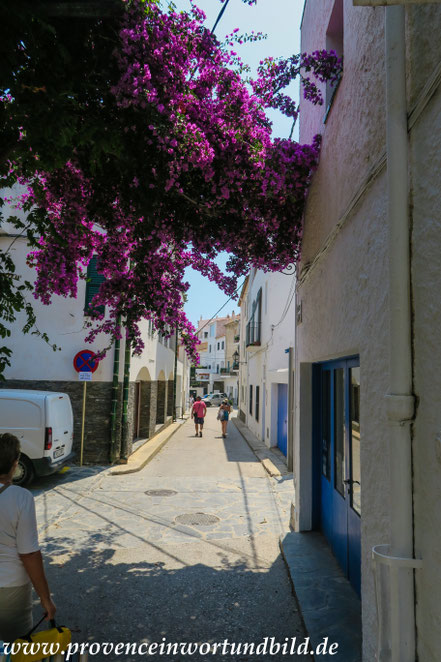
(229, 371)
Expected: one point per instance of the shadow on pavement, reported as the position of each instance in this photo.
(64, 477)
(135, 595)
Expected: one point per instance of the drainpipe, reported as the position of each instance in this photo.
(115, 389)
(399, 644)
(175, 376)
(125, 404)
(290, 454)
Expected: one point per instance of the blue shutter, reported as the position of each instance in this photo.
(94, 280)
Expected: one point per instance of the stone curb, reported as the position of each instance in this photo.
(271, 463)
(146, 453)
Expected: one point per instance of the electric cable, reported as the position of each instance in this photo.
(221, 13)
(222, 307)
(289, 298)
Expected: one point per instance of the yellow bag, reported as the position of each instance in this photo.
(41, 645)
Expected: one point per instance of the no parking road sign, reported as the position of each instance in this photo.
(85, 361)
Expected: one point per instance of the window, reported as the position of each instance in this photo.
(326, 424)
(254, 323)
(94, 280)
(218, 345)
(217, 367)
(205, 334)
(334, 42)
(257, 402)
(251, 399)
(223, 344)
(339, 429)
(210, 349)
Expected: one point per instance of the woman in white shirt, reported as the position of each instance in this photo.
(21, 562)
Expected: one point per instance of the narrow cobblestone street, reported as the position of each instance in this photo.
(123, 568)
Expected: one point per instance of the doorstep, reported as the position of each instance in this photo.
(148, 450)
(328, 603)
(273, 461)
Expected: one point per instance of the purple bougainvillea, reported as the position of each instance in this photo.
(194, 171)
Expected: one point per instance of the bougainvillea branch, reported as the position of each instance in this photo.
(191, 169)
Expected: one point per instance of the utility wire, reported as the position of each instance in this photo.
(287, 305)
(222, 307)
(221, 13)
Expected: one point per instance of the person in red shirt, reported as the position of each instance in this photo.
(198, 411)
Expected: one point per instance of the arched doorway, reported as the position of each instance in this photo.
(161, 405)
(142, 404)
(170, 395)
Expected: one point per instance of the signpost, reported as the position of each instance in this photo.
(85, 363)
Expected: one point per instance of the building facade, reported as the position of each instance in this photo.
(266, 345)
(215, 372)
(231, 370)
(367, 466)
(109, 435)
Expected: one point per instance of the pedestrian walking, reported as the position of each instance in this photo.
(199, 410)
(223, 415)
(21, 562)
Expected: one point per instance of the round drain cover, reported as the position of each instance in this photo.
(160, 492)
(197, 519)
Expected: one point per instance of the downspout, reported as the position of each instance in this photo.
(290, 454)
(115, 389)
(175, 376)
(125, 404)
(399, 644)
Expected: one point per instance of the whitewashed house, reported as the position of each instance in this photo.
(231, 370)
(266, 349)
(367, 449)
(212, 370)
(109, 434)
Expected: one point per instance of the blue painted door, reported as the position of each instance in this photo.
(282, 418)
(337, 408)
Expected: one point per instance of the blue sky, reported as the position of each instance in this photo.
(280, 20)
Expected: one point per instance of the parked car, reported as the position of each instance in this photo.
(214, 399)
(43, 422)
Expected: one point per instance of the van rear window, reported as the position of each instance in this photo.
(19, 414)
(59, 412)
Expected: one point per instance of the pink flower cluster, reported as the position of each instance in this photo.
(201, 174)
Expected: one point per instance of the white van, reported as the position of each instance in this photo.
(43, 422)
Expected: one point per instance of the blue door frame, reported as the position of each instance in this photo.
(282, 418)
(336, 466)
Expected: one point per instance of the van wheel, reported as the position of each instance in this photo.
(24, 472)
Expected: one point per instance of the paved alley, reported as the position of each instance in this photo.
(186, 549)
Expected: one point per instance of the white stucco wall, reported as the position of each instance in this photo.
(63, 321)
(344, 295)
(425, 150)
(267, 364)
(344, 298)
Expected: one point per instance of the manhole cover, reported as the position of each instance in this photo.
(161, 492)
(197, 519)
